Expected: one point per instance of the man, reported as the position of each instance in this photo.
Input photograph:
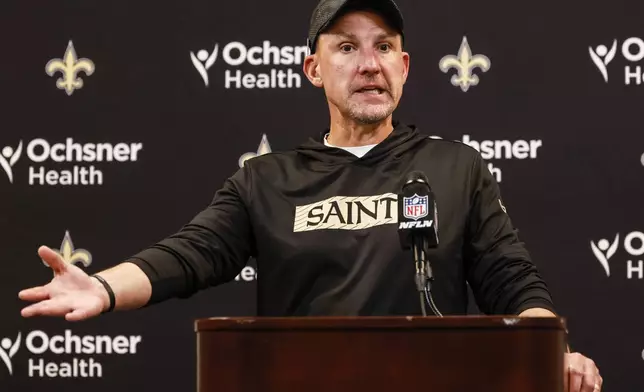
(321, 219)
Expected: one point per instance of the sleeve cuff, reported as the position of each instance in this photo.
(159, 267)
(542, 303)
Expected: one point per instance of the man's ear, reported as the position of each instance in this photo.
(406, 63)
(311, 68)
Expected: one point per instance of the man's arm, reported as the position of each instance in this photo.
(211, 249)
(503, 278)
(537, 312)
(131, 286)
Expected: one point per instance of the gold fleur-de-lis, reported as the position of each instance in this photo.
(464, 63)
(71, 255)
(264, 148)
(69, 66)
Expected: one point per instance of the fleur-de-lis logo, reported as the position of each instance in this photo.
(264, 148)
(464, 63)
(71, 255)
(69, 66)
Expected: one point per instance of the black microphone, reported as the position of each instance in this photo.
(417, 214)
(418, 230)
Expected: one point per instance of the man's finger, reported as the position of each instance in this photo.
(52, 259)
(575, 380)
(50, 307)
(77, 315)
(32, 310)
(38, 293)
(567, 378)
(591, 381)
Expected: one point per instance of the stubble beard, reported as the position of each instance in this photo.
(369, 113)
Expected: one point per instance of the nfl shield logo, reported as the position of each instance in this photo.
(415, 207)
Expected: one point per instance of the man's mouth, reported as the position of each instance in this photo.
(371, 90)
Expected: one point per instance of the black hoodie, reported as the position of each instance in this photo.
(321, 224)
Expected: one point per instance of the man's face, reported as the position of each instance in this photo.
(360, 63)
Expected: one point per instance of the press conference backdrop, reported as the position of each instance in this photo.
(120, 120)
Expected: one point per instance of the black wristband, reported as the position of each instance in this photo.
(110, 292)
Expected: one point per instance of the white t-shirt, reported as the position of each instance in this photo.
(357, 151)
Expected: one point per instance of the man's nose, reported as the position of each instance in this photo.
(368, 62)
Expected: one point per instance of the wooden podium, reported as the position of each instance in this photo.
(338, 354)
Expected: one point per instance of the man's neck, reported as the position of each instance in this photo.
(347, 133)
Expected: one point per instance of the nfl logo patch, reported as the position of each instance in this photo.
(415, 207)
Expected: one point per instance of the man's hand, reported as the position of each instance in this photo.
(581, 374)
(71, 293)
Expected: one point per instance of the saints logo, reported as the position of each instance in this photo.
(71, 255)
(464, 63)
(69, 67)
(264, 148)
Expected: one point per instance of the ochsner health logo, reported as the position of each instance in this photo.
(632, 50)
(65, 163)
(8, 350)
(8, 158)
(492, 150)
(633, 243)
(265, 60)
(604, 250)
(74, 354)
(203, 61)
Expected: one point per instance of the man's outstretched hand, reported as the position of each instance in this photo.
(71, 293)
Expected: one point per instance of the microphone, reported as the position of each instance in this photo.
(418, 230)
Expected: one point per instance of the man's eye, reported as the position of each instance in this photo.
(384, 47)
(346, 48)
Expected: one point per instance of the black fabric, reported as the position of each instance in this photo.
(354, 265)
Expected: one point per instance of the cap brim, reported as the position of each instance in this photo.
(387, 8)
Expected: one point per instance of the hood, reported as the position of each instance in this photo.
(401, 139)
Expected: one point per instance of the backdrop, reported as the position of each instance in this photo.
(121, 119)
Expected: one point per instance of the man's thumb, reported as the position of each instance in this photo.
(51, 258)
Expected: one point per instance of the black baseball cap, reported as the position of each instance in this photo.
(328, 10)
